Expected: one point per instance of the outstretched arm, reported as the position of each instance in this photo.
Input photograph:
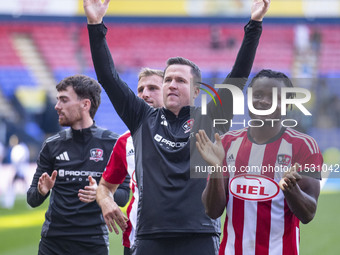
(246, 55)
(242, 66)
(129, 107)
(214, 194)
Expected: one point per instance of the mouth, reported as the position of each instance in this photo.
(172, 94)
(149, 103)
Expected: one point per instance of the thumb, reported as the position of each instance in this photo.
(54, 175)
(217, 138)
(92, 181)
(295, 167)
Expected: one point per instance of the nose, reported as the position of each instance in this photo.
(57, 106)
(173, 84)
(266, 100)
(146, 93)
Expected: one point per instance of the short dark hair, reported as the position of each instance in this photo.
(195, 71)
(274, 75)
(85, 88)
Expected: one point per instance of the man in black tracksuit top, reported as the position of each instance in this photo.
(171, 217)
(70, 162)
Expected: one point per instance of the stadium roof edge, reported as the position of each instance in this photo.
(165, 19)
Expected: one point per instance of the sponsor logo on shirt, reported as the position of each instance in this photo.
(77, 175)
(253, 187)
(187, 126)
(284, 159)
(165, 142)
(96, 154)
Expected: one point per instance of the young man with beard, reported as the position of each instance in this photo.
(70, 163)
(266, 191)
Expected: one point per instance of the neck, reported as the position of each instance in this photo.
(85, 123)
(263, 134)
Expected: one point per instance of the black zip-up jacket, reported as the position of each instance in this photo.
(75, 154)
(170, 200)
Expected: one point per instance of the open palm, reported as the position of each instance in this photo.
(213, 153)
(259, 9)
(95, 10)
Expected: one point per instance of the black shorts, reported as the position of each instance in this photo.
(127, 251)
(59, 246)
(200, 244)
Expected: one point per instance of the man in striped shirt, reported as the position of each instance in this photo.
(265, 189)
(122, 159)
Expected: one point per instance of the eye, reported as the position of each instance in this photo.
(257, 95)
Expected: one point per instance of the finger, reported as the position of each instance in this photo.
(92, 181)
(297, 176)
(205, 137)
(107, 222)
(113, 224)
(198, 137)
(217, 138)
(106, 2)
(120, 219)
(282, 184)
(202, 142)
(86, 199)
(54, 175)
(92, 188)
(87, 192)
(198, 146)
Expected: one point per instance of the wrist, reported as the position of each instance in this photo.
(94, 22)
(41, 192)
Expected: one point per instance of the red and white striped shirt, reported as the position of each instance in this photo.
(258, 219)
(121, 163)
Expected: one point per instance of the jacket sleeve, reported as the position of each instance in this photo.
(238, 75)
(122, 194)
(129, 107)
(44, 164)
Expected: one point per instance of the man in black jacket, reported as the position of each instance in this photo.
(70, 163)
(171, 217)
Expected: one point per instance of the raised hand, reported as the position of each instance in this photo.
(46, 182)
(88, 194)
(95, 10)
(290, 178)
(213, 153)
(259, 9)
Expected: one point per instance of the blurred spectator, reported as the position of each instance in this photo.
(2, 153)
(301, 38)
(315, 40)
(215, 37)
(19, 158)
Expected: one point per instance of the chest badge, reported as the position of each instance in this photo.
(96, 154)
(187, 126)
(284, 160)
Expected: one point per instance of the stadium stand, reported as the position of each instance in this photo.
(64, 48)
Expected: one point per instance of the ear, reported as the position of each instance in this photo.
(196, 92)
(86, 104)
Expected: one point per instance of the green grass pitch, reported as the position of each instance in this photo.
(20, 229)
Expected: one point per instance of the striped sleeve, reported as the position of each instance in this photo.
(116, 169)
